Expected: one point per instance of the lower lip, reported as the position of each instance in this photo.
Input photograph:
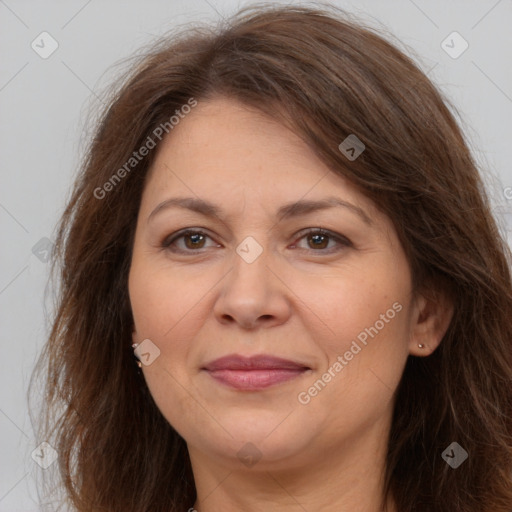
(253, 380)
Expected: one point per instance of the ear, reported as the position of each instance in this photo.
(431, 316)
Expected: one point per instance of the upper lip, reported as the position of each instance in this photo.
(256, 362)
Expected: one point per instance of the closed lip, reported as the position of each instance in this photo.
(254, 373)
(256, 362)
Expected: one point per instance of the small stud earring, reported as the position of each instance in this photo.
(420, 345)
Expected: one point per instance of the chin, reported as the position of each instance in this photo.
(261, 438)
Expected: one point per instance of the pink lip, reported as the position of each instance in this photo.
(253, 373)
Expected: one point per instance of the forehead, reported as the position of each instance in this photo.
(225, 150)
(218, 133)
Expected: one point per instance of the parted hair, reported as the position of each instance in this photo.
(326, 76)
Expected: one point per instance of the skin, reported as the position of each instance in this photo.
(294, 301)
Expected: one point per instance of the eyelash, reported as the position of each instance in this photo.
(343, 241)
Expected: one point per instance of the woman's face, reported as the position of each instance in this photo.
(337, 306)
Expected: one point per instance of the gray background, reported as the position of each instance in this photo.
(44, 103)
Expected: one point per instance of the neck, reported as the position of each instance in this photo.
(346, 478)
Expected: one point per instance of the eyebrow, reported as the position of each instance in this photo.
(287, 211)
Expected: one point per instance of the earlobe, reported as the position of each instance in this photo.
(431, 318)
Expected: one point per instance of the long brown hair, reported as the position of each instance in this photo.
(327, 77)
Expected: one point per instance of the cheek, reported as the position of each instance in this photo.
(362, 330)
(364, 358)
(163, 299)
(360, 304)
(168, 307)
(160, 303)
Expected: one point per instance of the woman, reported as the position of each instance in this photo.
(281, 286)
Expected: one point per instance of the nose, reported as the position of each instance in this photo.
(253, 294)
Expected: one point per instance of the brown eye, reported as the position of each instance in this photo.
(318, 240)
(193, 239)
